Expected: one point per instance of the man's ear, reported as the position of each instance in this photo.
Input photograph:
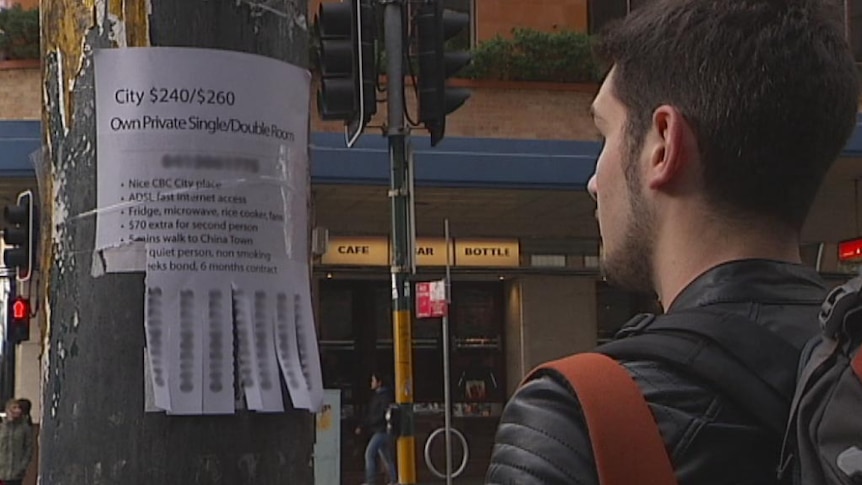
(671, 144)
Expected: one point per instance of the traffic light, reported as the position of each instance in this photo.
(348, 66)
(19, 235)
(18, 322)
(434, 26)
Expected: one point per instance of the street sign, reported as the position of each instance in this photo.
(431, 299)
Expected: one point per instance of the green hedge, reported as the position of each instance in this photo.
(531, 55)
(19, 33)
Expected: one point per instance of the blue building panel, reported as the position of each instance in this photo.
(459, 162)
(854, 145)
(18, 139)
(455, 162)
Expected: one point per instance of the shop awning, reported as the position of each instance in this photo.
(459, 162)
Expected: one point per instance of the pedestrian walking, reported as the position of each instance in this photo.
(380, 444)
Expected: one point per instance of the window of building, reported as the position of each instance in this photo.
(601, 12)
(853, 26)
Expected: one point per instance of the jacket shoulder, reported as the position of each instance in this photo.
(542, 437)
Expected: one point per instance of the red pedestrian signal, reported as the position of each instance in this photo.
(18, 320)
(21, 308)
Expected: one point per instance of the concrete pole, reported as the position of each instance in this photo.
(94, 429)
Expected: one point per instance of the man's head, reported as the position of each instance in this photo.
(25, 406)
(13, 410)
(377, 380)
(741, 105)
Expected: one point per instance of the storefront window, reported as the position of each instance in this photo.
(356, 339)
(336, 315)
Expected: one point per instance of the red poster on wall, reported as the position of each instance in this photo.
(431, 299)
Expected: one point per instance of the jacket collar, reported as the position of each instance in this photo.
(752, 280)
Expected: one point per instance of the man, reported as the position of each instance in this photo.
(380, 443)
(719, 119)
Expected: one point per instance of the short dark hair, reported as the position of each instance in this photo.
(382, 377)
(769, 87)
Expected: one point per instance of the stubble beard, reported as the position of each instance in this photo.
(629, 265)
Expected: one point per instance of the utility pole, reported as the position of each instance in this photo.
(94, 428)
(402, 244)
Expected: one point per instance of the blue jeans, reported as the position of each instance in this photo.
(379, 444)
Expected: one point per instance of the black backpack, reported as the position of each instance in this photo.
(765, 375)
(823, 443)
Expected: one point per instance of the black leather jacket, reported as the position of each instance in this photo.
(375, 416)
(542, 436)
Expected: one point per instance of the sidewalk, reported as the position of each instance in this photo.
(463, 481)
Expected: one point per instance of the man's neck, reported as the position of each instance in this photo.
(685, 251)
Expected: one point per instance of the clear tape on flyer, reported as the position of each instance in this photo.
(121, 256)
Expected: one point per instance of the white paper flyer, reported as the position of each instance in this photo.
(202, 183)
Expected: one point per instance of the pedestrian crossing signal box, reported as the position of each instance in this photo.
(18, 321)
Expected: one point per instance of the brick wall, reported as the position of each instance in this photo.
(500, 16)
(495, 17)
(26, 4)
(509, 110)
(494, 110)
(20, 90)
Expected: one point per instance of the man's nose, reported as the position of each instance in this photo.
(591, 187)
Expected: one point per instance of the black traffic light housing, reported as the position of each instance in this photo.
(18, 321)
(434, 26)
(348, 64)
(20, 235)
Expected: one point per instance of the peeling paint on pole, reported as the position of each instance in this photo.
(65, 25)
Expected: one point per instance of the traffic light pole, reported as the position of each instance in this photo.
(94, 428)
(401, 238)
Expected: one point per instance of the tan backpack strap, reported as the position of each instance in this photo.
(627, 445)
